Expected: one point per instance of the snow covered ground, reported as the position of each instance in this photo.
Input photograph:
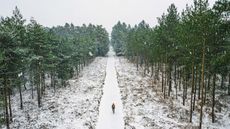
(139, 104)
(73, 107)
(111, 93)
(145, 108)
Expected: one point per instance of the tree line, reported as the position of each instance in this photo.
(185, 51)
(30, 53)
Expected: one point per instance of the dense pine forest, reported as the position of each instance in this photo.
(187, 51)
(31, 52)
(186, 55)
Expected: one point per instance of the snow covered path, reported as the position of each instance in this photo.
(111, 93)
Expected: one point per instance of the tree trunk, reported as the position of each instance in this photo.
(151, 69)
(208, 87)
(213, 98)
(186, 85)
(194, 99)
(175, 79)
(6, 103)
(165, 81)
(155, 72)
(53, 80)
(205, 90)
(222, 82)
(63, 82)
(42, 82)
(192, 91)
(38, 94)
(170, 80)
(24, 80)
(32, 83)
(183, 83)
(20, 92)
(158, 70)
(229, 84)
(38, 83)
(84, 60)
(180, 79)
(141, 60)
(77, 70)
(162, 77)
(145, 66)
(79, 65)
(9, 97)
(202, 86)
(82, 64)
(199, 85)
(137, 62)
(147, 62)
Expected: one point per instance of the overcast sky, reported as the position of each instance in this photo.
(100, 12)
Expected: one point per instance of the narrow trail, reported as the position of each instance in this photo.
(111, 93)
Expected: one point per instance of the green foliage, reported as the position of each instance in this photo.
(34, 50)
(193, 45)
(50, 49)
(119, 37)
(177, 38)
(77, 44)
(1, 104)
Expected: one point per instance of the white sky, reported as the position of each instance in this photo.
(99, 12)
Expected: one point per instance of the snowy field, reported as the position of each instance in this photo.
(145, 108)
(73, 107)
(77, 105)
